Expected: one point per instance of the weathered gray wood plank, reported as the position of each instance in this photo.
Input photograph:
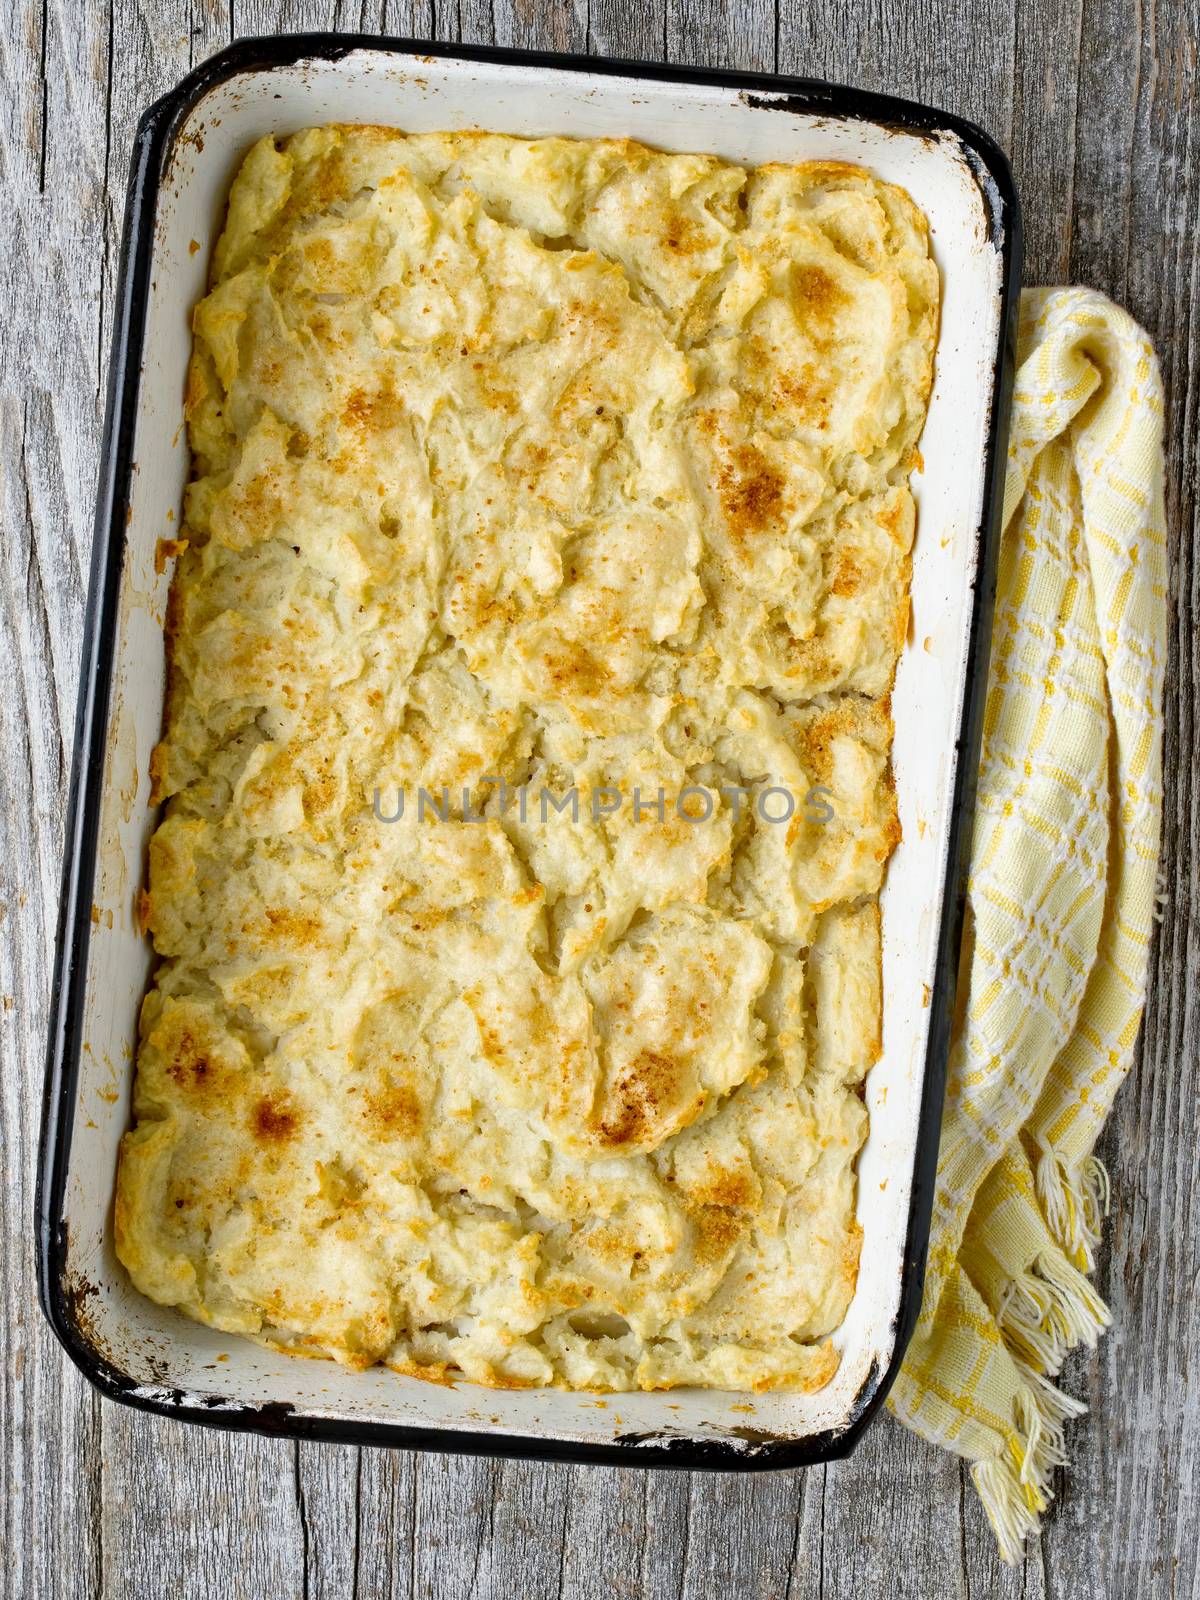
(326, 1488)
(956, 55)
(723, 33)
(608, 1534)
(51, 157)
(627, 28)
(383, 1531)
(1135, 201)
(1042, 149)
(198, 1516)
(1099, 109)
(521, 26)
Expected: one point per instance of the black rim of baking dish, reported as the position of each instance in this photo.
(61, 1299)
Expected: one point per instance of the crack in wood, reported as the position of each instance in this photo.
(45, 128)
(302, 1510)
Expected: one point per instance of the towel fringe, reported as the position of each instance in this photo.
(1074, 1201)
(1043, 1313)
(1014, 1486)
(1049, 1309)
(1004, 1501)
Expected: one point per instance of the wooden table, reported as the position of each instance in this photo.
(1097, 105)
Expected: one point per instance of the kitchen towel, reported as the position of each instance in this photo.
(1061, 905)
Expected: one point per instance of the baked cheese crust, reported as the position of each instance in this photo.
(581, 466)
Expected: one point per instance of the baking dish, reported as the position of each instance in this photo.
(185, 153)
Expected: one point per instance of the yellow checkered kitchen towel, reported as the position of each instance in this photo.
(1061, 905)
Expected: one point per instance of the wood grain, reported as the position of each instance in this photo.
(1097, 104)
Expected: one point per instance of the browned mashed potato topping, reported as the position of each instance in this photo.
(578, 465)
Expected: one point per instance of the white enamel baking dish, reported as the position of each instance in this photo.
(187, 149)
